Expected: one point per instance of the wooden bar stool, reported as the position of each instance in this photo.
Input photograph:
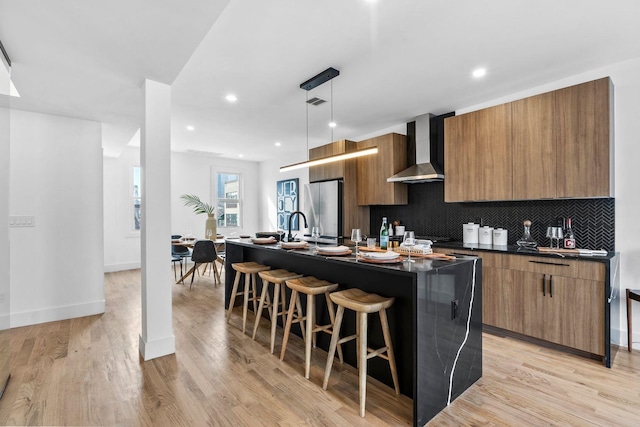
(250, 271)
(278, 278)
(311, 287)
(632, 294)
(362, 303)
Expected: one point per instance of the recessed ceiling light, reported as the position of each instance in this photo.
(240, 155)
(231, 98)
(278, 144)
(191, 128)
(479, 72)
(332, 124)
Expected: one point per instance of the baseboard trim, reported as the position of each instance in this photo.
(35, 317)
(112, 268)
(158, 348)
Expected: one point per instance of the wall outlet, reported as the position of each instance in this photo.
(22, 221)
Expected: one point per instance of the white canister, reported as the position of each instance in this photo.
(485, 235)
(399, 230)
(500, 237)
(470, 233)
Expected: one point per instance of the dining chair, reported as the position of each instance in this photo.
(204, 252)
(175, 259)
(180, 251)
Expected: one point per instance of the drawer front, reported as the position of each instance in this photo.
(555, 267)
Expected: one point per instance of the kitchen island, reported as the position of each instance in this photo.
(435, 322)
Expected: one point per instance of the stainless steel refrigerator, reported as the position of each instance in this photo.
(323, 208)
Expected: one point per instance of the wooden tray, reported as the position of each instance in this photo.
(294, 245)
(437, 256)
(263, 241)
(347, 252)
(368, 249)
(396, 260)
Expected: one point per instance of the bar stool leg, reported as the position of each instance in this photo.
(332, 346)
(362, 358)
(245, 306)
(234, 292)
(283, 297)
(263, 296)
(332, 317)
(287, 328)
(274, 313)
(310, 335)
(387, 342)
(302, 317)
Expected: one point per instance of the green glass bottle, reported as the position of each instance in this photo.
(384, 234)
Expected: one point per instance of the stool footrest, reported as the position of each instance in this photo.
(377, 353)
(324, 328)
(349, 338)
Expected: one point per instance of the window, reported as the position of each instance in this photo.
(137, 198)
(228, 199)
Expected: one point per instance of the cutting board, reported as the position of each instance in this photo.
(571, 251)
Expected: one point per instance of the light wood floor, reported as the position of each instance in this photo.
(87, 371)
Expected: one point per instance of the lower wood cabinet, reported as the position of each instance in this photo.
(560, 301)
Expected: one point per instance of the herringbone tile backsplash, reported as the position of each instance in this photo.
(428, 214)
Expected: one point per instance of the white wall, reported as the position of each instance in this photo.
(121, 243)
(190, 173)
(56, 176)
(5, 308)
(269, 175)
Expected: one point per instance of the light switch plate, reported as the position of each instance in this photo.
(22, 221)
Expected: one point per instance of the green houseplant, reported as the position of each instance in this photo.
(200, 207)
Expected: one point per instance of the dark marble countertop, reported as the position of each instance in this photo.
(420, 264)
(515, 249)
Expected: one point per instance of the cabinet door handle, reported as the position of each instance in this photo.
(551, 286)
(544, 288)
(550, 263)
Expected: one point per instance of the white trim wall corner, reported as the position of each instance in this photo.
(156, 336)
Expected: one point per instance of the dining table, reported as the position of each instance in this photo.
(190, 243)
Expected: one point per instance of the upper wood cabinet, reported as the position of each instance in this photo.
(353, 216)
(554, 145)
(459, 161)
(584, 139)
(373, 171)
(478, 152)
(534, 154)
(335, 170)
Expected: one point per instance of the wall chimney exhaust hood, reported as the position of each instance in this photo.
(428, 139)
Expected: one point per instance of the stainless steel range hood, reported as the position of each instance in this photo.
(429, 146)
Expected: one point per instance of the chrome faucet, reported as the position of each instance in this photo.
(290, 236)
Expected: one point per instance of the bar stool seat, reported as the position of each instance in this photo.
(311, 287)
(362, 303)
(250, 271)
(278, 278)
(632, 295)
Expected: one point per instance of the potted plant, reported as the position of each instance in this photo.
(200, 207)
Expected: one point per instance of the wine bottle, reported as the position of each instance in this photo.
(569, 237)
(384, 234)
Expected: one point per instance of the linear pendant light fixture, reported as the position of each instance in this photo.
(312, 83)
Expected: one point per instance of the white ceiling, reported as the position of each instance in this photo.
(397, 59)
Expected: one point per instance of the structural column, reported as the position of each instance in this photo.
(156, 338)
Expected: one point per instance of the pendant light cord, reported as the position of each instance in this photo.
(307, 104)
(332, 124)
